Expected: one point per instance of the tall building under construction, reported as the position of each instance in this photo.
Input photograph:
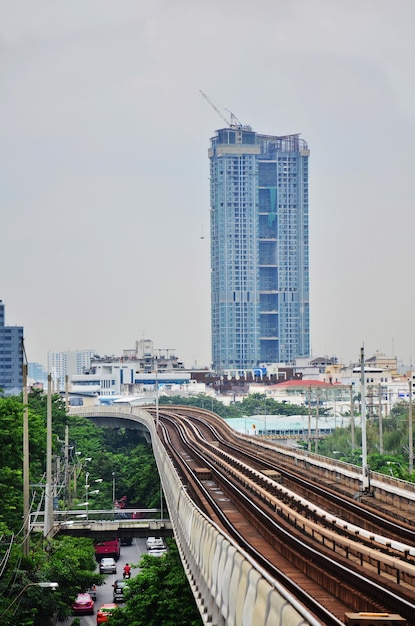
(259, 248)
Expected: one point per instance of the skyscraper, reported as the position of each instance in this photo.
(259, 248)
(11, 357)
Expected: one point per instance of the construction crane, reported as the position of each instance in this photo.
(232, 122)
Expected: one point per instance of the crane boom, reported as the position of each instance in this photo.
(233, 122)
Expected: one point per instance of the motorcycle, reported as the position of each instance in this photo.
(126, 575)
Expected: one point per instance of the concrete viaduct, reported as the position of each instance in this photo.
(229, 587)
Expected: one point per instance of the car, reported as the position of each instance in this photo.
(118, 593)
(154, 542)
(107, 565)
(104, 612)
(83, 605)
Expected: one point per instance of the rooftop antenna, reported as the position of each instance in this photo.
(232, 122)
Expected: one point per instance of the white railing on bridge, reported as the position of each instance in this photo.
(105, 519)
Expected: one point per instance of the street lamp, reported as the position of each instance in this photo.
(86, 493)
(77, 472)
(93, 492)
(48, 585)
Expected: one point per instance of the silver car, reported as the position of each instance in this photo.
(107, 565)
(157, 551)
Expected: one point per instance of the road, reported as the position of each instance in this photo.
(129, 554)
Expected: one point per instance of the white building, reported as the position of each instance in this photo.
(68, 363)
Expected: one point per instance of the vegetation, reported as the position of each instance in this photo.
(254, 404)
(387, 445)
(68, 561)
(114, 454)
(159, 594)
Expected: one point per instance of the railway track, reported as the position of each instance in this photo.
(309, 541)
(337, 499)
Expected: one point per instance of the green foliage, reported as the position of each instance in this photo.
(122, 453)
(260, 404)
(11, 462)
(144, 492)
(254, 404)
(37, 402)
(159, 594)
(68, 561)
(394, 459)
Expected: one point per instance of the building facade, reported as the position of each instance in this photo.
(37, 374)
(11, 357)
(68, 363)
(259, 249)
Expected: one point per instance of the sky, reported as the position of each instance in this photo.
(104, 188)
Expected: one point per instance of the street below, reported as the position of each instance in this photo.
(129, 554)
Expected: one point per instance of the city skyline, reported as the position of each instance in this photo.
(104, 225)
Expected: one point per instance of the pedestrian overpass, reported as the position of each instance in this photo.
(99, 524)
(229, 587)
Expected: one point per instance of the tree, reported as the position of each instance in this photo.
(254, 404)
(69, 561)
(11, 458)
(159, 594)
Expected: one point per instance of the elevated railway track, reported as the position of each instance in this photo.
(336, 554)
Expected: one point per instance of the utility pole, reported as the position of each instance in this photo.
(157, 396)
(48, 489)
(317, 416)
(380, 420)
(113, 495)
(352, 417)
(309, 419)
(66, 461)
(26, 483)
(365, 478)
(66, 392)
(410, 429)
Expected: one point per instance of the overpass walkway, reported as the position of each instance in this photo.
(229, 587)
(103, 523)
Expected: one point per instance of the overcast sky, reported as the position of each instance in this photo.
(104, 223)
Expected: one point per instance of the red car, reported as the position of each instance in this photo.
(83, 605)
(104, 613)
